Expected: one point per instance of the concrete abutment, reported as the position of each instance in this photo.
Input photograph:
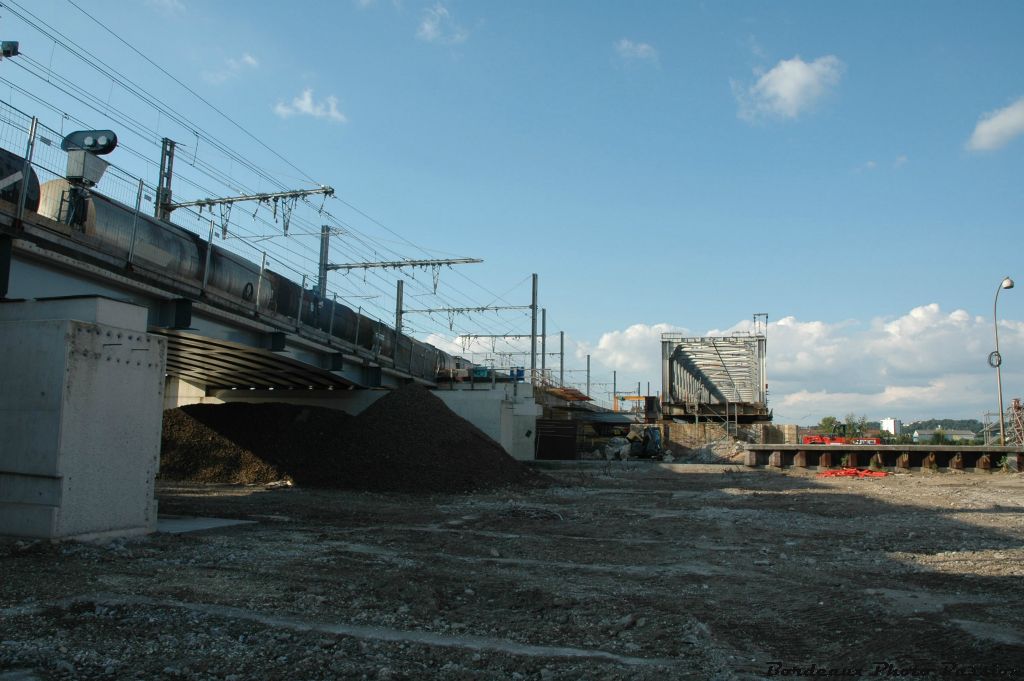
(80, 413)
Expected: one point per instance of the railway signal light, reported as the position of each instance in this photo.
(97, 142)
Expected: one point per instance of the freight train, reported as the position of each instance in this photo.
(110, 227)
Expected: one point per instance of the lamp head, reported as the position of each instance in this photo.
(1007, 282)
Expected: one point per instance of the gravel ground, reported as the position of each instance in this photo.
(628, 571)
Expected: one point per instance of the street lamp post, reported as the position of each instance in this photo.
(996, 360)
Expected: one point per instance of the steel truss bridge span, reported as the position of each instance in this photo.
(715, 378)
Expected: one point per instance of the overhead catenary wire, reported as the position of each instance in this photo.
(271, 235)
(293, 258)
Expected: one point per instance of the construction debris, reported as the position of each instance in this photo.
(852, 473)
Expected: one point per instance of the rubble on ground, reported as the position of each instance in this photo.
(638, 573)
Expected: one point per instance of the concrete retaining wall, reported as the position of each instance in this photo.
(505, 412)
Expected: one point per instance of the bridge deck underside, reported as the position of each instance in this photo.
(219, 364)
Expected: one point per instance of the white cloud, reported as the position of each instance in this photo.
(925, 363)
(900, 161)
(629, 50)
(304, 105)
(928, 400)
(438, 26)
(790, 88)
(635, 349)
(232, 67)
(997, 128)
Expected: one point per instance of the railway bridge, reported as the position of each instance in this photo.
(109, 315)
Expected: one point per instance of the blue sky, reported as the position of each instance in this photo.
(854, 170)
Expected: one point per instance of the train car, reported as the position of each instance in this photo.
(114, 228)
(110, 226)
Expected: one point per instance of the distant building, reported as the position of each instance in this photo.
(892, 426)
(925, 436)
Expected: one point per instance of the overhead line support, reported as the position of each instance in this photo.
(473, 336)
(164, 205)
(463, 310)
(271, 196)
(403, 263)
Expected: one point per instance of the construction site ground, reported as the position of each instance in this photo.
(624, 570)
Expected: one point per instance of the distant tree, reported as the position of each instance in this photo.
(905, 439)
(855, 425)
(827, 423)
(938, 438)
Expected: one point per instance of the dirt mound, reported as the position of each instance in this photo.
(407, 441)
(250, 443)
(411, 441)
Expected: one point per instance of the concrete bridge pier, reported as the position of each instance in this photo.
(80, 416)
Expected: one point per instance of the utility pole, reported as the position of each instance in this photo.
(543, 338)
(615, 391)
(325, 244)
(561, 359)
(27, 167)
(533, 333)
(588, 375)
(398, 310)
(161, 207)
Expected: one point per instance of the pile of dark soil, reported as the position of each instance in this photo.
(407, 441)
(250, 443)
(411, 441)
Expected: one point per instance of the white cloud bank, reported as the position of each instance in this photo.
(925, 363)
(636, 349)
(439, 26)
(789, 89)
(633, 51)
(997, 128)
(305, 105)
